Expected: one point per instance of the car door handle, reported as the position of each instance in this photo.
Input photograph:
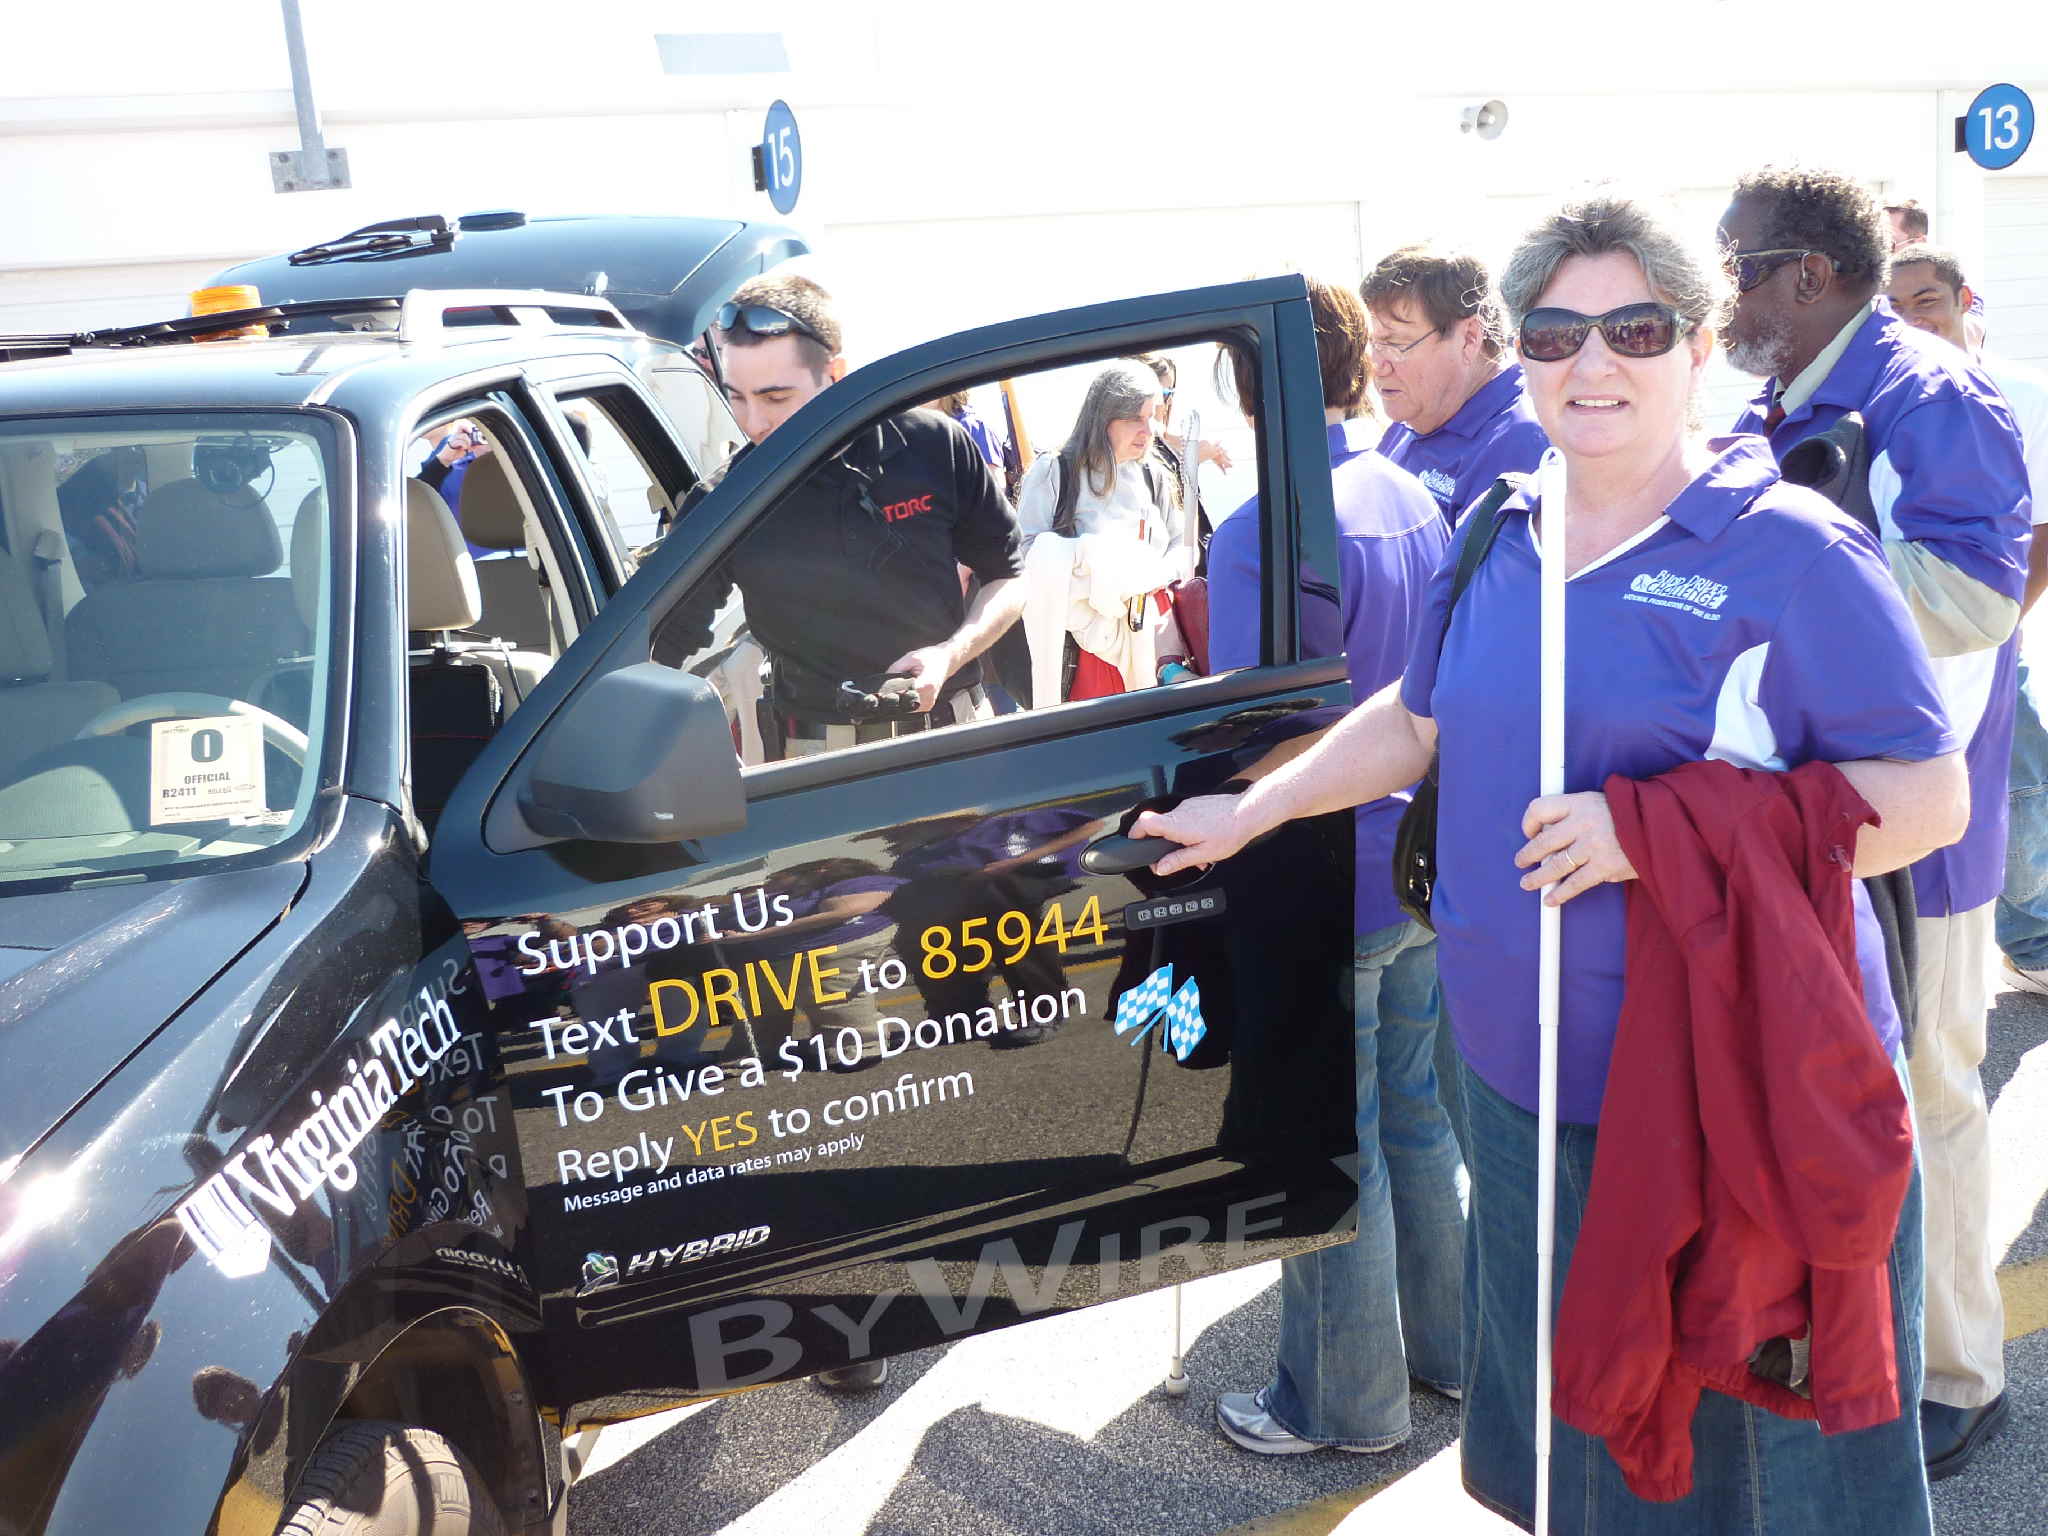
(1117, 854)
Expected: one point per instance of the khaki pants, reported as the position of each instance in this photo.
(1965, 1312)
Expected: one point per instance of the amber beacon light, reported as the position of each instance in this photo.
(222, 300)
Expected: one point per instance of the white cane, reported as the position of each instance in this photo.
(1176, 1375)
(1549, 933)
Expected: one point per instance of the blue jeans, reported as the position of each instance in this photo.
(2023, 908)
(1753, 1472)
(1356, 1319)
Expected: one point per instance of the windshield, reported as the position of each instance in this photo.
(163, 639)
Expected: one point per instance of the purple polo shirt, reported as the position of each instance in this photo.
(1948, 472)
(1754, 624)
(1390, 538)
(1492, 434)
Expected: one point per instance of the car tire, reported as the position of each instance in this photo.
(371, 1478)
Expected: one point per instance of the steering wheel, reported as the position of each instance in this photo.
(279, 733)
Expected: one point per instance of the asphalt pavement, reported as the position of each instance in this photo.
(1060, 1425)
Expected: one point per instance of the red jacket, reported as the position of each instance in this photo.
(1754, 1144)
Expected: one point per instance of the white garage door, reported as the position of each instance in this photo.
(2016, 267)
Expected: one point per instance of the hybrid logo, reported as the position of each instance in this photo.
(601, 1270)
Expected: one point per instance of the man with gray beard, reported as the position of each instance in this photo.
(1948, 486)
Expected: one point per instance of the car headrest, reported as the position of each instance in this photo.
(185, 530)
(306, 525)
(440, 576)
(491, 512)
(25, 655)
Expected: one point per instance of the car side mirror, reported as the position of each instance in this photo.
(642, 755)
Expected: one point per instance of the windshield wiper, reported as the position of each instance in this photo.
(393, 237)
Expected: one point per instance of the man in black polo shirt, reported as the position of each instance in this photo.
(854, 576)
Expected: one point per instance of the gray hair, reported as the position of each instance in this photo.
(1120, 390)
(1684, 272)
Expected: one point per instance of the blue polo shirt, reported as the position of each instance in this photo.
(1753, 623)
(1390, 539)
(1492, 434)
(1947, 471)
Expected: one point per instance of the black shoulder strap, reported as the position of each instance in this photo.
(1067, 499)
(1477, 543)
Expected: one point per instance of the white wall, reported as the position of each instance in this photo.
(964, 164)
(2014, 271)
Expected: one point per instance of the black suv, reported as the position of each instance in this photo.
(425, 1042)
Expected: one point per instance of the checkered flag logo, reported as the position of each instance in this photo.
(1184, 1026)
(1154, 999)
(1135, 1009)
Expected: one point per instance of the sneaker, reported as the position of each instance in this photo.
(2035, 982)
(1455, 1393)
(1243, 1417)
(862, 1377)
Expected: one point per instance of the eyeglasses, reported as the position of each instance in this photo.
(1380, 346)
(1633, 330)
(1749, 268)
(764, 321)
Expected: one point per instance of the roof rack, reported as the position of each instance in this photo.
(420, 316)
(424, 313)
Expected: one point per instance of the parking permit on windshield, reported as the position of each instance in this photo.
(205, 770)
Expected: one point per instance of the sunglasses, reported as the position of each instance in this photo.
(1633, 330)
(1749, 268)
(764, 321)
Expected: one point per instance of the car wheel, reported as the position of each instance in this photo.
(377, 1479)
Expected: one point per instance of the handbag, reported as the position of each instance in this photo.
(1191, 612)
(1415, 838)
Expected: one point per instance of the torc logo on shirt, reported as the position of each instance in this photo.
(897, 511)
(1694, 594)
(1439, 485)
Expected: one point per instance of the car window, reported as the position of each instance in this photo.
(632, 495)
(902, 547)
(697, 406)
(163, 597)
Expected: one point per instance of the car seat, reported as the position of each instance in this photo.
(35, 710)
(515, 605)
(204, 614)
(457, 699)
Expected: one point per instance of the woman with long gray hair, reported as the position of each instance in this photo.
(1109, 499)
(1719, 620)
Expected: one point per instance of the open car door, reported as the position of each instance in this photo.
(846, 1055)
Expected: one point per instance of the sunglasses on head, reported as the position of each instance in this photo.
(1633, 330)
(763, 321)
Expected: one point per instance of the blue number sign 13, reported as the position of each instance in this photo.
(1999, 126)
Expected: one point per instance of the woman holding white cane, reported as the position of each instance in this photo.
(1712, 612)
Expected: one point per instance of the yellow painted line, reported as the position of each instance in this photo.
(2025, 1287)
(1318, 1517)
